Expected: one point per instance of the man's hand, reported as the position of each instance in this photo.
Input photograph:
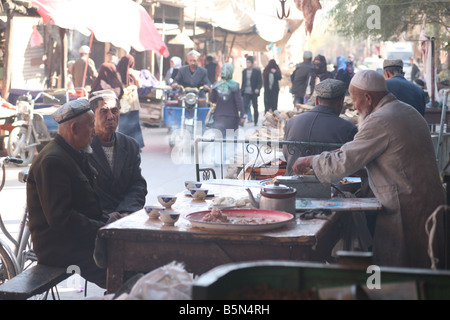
(302, 164)
(206, 88)
(174, 85)
(114, 216)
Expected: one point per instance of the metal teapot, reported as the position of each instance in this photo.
(275, 197)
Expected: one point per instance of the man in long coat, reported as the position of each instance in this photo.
(394, 144)
(64, 212)
(116, 157)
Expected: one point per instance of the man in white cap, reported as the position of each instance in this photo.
(64, 211)
(321, 124)
(79, 68)
(300, 78)
(116, 157)
(394, 145)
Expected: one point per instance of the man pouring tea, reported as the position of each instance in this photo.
(394, 145)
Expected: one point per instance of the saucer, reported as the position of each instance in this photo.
(188, 194)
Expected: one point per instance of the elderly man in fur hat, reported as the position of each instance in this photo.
(394, 145)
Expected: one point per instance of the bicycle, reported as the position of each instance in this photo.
(13, 262)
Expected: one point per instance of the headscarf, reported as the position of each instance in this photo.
(147, 79)
(176, 62)
(123, 67)
(108, 73)
(266, 73)
(341, 63)
(225, 86)
(320, 69)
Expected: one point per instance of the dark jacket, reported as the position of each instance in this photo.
(276, 84)
(232, 107)
(407, 92)
(122, 189)
(256, 81)
(64, 211)
(301, 79)
(320, 124)
(197, 79)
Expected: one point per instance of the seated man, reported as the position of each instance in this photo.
(116, 157)
(404, 90)
(321, 124)
(64, 212)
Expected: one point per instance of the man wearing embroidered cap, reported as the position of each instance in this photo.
(116, 157)
(64, 213)
(394, 145)
(321, 124)
(402, 89)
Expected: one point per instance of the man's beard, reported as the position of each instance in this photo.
(88, 149)
(362, 117)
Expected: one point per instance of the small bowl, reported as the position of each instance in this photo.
(199, 193)
(192, 184)
(153, 211)
(167, 200)
(169, 217)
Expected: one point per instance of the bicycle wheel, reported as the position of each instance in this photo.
(16, 146)
(8, 266)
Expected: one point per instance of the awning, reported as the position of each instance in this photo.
(249, 28)
(124, 23)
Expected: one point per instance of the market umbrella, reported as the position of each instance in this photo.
(124, 23)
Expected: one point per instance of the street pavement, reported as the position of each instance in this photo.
(162, 167)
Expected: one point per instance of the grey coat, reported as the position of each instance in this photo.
(394, 145)
(197, 79)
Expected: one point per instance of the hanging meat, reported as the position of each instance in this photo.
(309, 8)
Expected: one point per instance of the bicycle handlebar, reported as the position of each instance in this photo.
(4, 160)
(183, 89)
(46, 95)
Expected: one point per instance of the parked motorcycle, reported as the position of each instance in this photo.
(30, 131)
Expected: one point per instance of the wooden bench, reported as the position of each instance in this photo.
(35, 280)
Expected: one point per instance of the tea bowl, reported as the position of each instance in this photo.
(167, 200)
(192, 184)
(153, 211)
(199, 193)
(169, 217)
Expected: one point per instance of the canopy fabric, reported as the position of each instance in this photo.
(124, 23)
(254, 27)
(252, 41)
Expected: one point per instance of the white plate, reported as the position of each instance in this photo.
(280, 218)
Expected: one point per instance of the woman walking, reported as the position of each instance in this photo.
(271, 78)
(229, 111)
(129, 122)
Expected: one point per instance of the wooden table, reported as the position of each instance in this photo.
(138, 244)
